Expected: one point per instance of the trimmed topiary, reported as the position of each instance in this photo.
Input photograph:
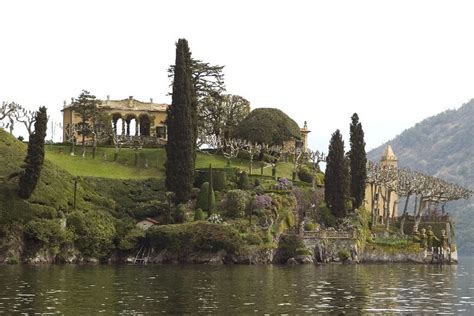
(305, 175)
(203, 198)
(244, 183)
(219, 178)
(269, 126)
(199, 215)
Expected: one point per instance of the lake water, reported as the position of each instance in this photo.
(404, 288)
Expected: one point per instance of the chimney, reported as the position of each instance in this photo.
(151, 100)
(64, 104)
(108, 97)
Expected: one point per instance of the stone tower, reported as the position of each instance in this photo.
(388, 159)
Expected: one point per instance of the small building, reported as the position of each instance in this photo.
(129, 117)
(388, 159)
(146, 223)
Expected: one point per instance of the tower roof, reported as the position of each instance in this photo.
(388, 154)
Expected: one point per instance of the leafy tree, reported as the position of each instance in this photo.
(181, 122)
(337, 176)
(208, 83)
(358, 161)
(267, 125)
(35, 156)
(87, 107)
(219, 115)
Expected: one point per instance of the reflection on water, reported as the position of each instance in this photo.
(238, 289)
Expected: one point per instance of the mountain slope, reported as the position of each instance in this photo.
(443, 146)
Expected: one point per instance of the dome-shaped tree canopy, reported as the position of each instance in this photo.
(267, 125)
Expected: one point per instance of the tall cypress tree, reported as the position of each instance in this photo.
(358, 161)
(181, 122)
(336, 184)
(34, 156)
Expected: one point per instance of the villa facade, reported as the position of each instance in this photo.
(130, 117)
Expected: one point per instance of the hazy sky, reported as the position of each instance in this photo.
(393, 62)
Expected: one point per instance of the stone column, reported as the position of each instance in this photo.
(137, 126)
(123, 127)
(114, 125)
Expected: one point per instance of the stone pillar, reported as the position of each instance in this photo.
(114, 125)
(137, 127)
(123, 127)
(128, 126)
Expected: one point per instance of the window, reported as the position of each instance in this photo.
(161, 132)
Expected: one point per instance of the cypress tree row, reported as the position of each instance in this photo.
(181, 144)
(336, 184)
(34, 156)
(358, 161)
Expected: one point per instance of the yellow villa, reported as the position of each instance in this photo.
(130, 117)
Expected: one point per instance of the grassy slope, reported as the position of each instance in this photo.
(54, 191)
(103, 166)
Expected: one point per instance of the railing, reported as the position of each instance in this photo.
(433, 218)
(325, 234)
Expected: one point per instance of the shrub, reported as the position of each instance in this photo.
(12, 260)
(131, 239)
(93, 234)
(235, 203)
(261, 202)
(283, 184)
(268, 158)
(320, 179)
(327, 217)
(267, 237)
(215, 219)
(344, 255)
(45, 232)
(305, 175)
(252, 239)
(219, 178)
(244, 182)
(151, 209)
(198, 236)
(179, 213)
(199, 215)
(243, 155)
(309, 226)
(303, 251)
(203, 198)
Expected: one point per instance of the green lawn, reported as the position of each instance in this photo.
(124, 168)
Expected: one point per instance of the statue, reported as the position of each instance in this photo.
(423, 239)
(431, 238)
(444, 240)
(416, 236)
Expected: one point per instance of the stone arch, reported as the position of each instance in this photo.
(144, 125)
(131, 128)
(116, 127)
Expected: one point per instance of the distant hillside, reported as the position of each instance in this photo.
(443, 146)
